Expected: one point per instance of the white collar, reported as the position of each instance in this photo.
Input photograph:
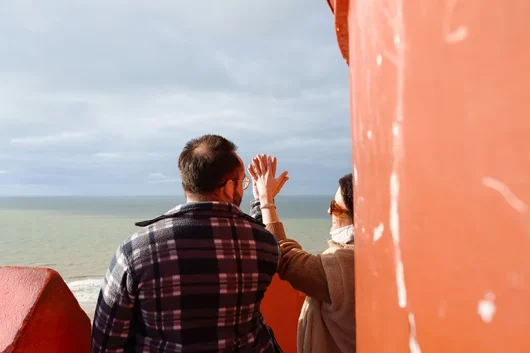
(342, 235)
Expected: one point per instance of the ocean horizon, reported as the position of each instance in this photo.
(78, 235)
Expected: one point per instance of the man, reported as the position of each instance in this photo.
(192, 280)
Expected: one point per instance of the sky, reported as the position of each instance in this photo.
(99, 97)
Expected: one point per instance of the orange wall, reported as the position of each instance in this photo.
(38, 313)
(440, 112)
(281, 308)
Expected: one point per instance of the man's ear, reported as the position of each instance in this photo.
(228, 189)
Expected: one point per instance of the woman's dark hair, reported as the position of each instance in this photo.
(346, 189)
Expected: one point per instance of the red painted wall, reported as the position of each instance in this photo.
(38, 313)
(440, 112)
(281, 308)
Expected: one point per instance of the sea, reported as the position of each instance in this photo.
(77, 236)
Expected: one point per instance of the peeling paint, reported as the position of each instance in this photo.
(457, 35)
(379, 60)
(397, 149)
(414, 346)
(487, 308)
(512, 200)
(394, 229)
(378, 231)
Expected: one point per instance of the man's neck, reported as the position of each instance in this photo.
(204, 198)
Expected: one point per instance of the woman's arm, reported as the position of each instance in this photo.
(302, 270)
(268, 210)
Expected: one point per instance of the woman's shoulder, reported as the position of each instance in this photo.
(338, 247)
(337, 255)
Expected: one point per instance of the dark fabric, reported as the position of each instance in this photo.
(255, 210)
(192, 280)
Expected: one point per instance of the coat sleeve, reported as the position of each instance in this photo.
(304, 271)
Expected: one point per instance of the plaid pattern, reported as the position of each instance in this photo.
(255, 210)
(191, 280)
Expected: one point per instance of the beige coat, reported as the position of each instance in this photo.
(327, 320)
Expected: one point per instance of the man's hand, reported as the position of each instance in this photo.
(264, 182)
(282, 179)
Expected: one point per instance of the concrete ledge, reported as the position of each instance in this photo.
(39, 313)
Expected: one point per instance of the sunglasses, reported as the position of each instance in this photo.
(336, 209)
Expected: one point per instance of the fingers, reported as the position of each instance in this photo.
(256, 165)
(282, 183)
(274, 162)
(252, 172)
(262, 163)
(269, 165)
(283, 175)
(282, 179)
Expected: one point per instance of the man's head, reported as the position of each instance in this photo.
(211, 170)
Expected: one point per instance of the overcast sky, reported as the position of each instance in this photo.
(99, 97)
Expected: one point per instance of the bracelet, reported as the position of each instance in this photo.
(268, 205)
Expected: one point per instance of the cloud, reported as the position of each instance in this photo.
(158, 178)
(157, 175)
(94, 102)
(62, 137)
(3, 172)
(296, 142)
(108, 155)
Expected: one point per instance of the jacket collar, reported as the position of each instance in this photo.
(202, 209)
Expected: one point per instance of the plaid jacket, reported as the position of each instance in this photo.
(191, 280)
(255, 210)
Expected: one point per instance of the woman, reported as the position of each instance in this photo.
(327, 320)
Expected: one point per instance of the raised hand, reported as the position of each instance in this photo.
(265, 185)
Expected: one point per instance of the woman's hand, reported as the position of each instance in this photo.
(265, 185)
(282, 179)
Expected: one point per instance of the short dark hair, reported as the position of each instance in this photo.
(346, 189)
(206, 162)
